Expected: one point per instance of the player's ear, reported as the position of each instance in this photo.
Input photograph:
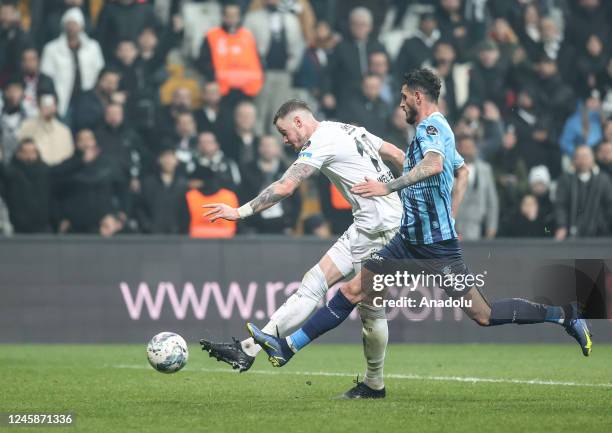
(297, 121)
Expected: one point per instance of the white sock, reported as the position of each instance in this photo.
(290, 315)
(375, 338)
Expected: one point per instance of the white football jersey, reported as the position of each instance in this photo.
(346, 154)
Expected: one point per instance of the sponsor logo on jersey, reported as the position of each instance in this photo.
(305, 155)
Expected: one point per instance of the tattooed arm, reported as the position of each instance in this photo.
(274, 193)
(431, 165)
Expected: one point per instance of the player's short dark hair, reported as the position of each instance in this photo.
(289, 107)
(425, 80)
(24, 141)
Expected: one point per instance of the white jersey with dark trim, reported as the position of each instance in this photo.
(346, 154)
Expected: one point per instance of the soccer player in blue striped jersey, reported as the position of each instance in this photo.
(432, 186)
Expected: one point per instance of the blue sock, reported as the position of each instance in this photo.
(325, 319)
(555, 315)
(516, 310)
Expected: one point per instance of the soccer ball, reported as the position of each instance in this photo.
(167, 352)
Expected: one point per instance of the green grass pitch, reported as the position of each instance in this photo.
(111, 388)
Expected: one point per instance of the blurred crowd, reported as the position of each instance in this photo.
(127, 116)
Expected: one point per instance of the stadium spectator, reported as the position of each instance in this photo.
(588, 17)
(212, 116)
(87, 187)
(582, 127)
(301, 8)
(206, 190)
(590, 65)
(149, 68)
(121, 145)
(529, 33)
(266, 169)
(280, 44)
(453, 26)
(379, 66)
(348, 63)
(367, 108)
(604, 157)
(532, 130)
(25, 187)
(185, 137)
(510, 171)
(488, 76)
(73, 61)
(182, 101)
(455, 78)
(539, 187)
(553, 95)
(311, 74)
(555, 46)
(315, 225)
(34, 81)
(229, 56)
(163, 206)
(484, 126)
(527, 222)
(208, 154)
(53, 138)
(418, 49)
(583, 205)
(506, 39)
(120, 20)
(342, 10)
(153, 48)
(124, 61)
(241, 142)
(13, 41)
(90, 106)
(479, 211)
(12, 115)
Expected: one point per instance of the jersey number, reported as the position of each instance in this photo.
(368, 149)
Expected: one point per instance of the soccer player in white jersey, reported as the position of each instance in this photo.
(345, 154)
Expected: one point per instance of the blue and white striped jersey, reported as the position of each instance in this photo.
(427, 214)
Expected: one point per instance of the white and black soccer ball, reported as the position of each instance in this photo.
(167, 352)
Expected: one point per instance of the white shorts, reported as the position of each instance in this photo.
(354, 246)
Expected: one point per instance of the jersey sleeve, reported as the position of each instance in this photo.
(458, 161)
(428, 136)
(316, 152)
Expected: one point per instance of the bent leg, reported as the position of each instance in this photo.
(300, 305)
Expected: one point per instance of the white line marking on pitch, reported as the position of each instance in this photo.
(391, 376)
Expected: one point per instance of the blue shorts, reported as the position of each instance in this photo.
(443, 258)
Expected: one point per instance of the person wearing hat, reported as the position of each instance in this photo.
(539, 186)
(73, 60)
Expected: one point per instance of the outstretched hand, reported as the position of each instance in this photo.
(220, 210)
(370, 188)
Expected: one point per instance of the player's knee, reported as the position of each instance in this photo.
(314, 284)
(352, 291)
(481, 319)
